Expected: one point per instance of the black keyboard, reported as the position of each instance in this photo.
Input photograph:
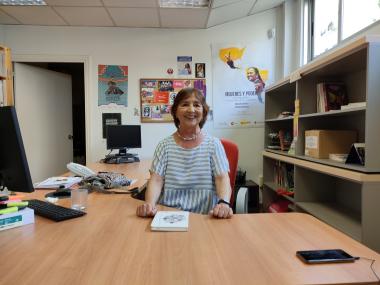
(53, 212)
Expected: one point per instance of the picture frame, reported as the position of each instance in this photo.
(157, 96)
(200, 70)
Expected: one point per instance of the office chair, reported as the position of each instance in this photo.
(232, 153)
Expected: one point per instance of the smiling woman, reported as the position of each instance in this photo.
(190, 168)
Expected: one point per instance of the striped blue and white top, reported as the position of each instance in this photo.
(189, 174)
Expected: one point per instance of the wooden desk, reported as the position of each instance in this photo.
(110, 245)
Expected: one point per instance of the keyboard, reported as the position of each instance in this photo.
(53, 212)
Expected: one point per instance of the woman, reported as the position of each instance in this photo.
(190, 168)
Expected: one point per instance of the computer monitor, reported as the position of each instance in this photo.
(123, 137)
(14, 169)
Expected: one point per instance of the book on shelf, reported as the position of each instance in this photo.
(172, 221)
(339, 157)
(331, 96)
(353, 105)
(284, 175)
(16, 219)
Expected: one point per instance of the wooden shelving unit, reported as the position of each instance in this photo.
(6, 77)
(346, 196)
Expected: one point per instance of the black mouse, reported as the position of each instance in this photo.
(60, 193)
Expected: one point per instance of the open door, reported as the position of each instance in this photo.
(43, 101)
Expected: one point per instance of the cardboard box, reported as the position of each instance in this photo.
(320, 143)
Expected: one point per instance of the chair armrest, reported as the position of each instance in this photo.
(242, 201)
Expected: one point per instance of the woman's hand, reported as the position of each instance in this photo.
(146, 210)
(222, 211)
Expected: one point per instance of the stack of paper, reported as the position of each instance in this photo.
(176, 221)
(57, 182)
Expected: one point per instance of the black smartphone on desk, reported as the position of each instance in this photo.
(324, 256)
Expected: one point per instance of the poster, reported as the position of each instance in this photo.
(184, 65)
(112, 85)
(110, 119)
(239, 77)
(157, 96)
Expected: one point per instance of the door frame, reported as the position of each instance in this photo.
(86, 60)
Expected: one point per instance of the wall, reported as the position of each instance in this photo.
(148, 53)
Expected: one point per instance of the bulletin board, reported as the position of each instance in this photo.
(157, 97)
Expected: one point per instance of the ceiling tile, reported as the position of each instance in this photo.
(183, 18)
(36, 15)
(135, 17)
(85, 16)
(230, 12)
(263, 5)
(71, 3)
(218, 3)
(7, 20)
(131, 3)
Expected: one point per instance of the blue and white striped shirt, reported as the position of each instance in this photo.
(189, 174)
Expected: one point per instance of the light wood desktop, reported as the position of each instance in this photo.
(110, 245)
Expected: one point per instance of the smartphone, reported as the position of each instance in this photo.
(325, 256)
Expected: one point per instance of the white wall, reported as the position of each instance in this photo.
(148, 53)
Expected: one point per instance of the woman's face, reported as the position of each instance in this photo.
(189, 112)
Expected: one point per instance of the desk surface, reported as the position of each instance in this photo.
(110, 245)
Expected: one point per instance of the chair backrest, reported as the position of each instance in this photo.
(232, 152)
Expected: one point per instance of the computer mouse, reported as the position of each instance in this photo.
(66, 193)
(136, 159)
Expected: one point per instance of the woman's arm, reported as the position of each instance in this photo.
(153, 191)
(223, 191)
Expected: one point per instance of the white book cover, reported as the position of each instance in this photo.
(176, 221)
(56, 182)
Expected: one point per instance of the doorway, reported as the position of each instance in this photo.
(52, 95)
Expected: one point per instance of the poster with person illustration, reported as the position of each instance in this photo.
(157, 97)
(112, 85)
(239, 80)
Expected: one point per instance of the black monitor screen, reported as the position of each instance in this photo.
(14, 169)
(123, 136)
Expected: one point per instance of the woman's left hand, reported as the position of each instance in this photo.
(222, 211)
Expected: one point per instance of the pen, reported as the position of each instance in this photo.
(8, 210)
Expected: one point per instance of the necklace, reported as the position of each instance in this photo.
(194, 137)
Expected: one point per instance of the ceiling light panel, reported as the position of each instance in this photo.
(184, 3)
(22, 3)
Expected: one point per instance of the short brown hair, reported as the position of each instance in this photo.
(184, 94)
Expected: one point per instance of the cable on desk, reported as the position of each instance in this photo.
(371, 266)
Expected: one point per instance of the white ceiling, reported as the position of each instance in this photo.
(131, 13)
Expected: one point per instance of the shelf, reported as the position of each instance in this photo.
(279, 84)
(316, 165)
(280, 119)
(273, 186)
(336, 216)
(333, 113)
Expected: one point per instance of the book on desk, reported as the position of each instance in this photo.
(173, 221)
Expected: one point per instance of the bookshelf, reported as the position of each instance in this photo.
(345, 196)
(6, 77)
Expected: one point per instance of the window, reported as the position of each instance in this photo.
(358, 14)
(327, 23)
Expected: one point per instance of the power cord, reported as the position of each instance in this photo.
(371, 266)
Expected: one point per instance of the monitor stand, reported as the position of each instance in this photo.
(123, 152)
(122, 157)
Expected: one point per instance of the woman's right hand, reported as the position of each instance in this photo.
(146, 210)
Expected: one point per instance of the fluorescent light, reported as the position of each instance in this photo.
(184, 3)
(22, 2)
